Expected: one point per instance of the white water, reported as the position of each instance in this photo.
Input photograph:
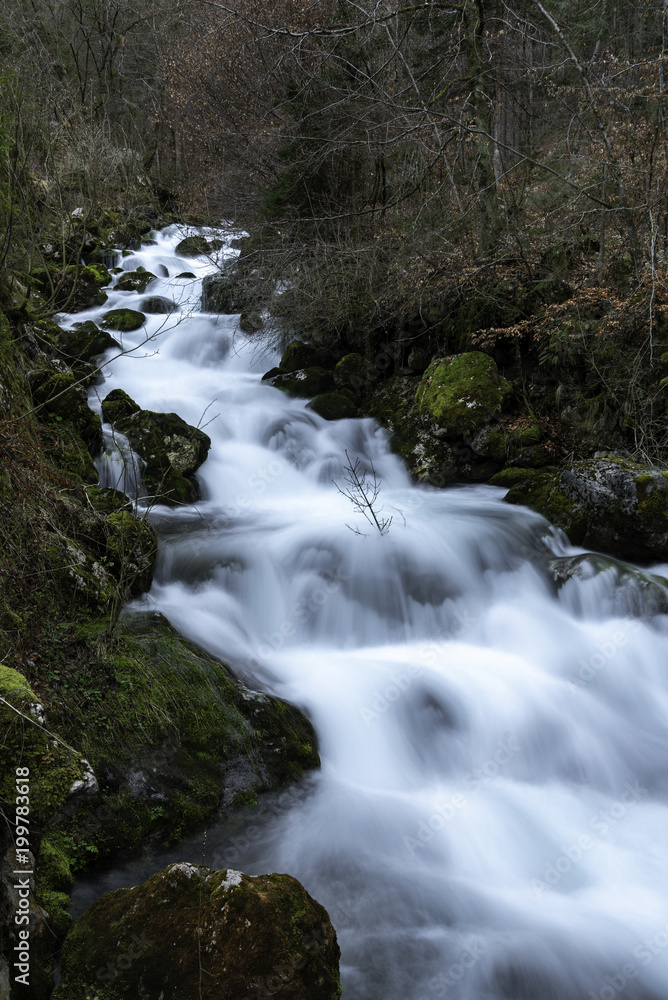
(490, 819)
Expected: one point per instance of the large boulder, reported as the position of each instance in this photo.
(85, 341)
(59, 397)
(305, 383)
(172, 450)
(193, 933)
(135, 281)
(221, 293)
(615, 506)
(461, 393)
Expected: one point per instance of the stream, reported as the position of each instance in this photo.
(490, 818)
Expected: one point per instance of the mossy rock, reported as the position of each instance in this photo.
(305, 383)
(222, 293)
(193, 246)
(135, 281)
(72, 288)
(172, 450)
(59, 396)
(157, 305)
(631, 591)
(349, 371)
(117, 405)
(106, 500)
(193, 933)
(80, 576)
(174, 738)
(85, 341)
(616, 506)
(333, 406)
(68, 450)
(516, 445)
(131, 550)
(53, 768)
(124, 237)
(123, 320)
(462, 393)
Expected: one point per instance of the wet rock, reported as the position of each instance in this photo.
(613, 505)
(221, 293)
(157, 304)
(123, 320)
(135, 281)
(85, 341)
(305, 383)
(333, 406)
(193, 246)
(171, 449)
(193, 933)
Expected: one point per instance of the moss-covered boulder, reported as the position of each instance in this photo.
(126, 236)
(193, 933)
(72, 288)
(85, 341)
(58, 396)
(222, 293)
(193, 246)
(117, 405)
(305, 382)
(333, 406)
(462, 393)
(616, 506)
(172, 450)
(135, 281)
(123, 320)
(515, 441)
(174, 738)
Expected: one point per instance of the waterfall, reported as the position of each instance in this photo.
(490, 819)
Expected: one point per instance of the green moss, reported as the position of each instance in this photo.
(228, 930)
(124, 320)
(462, 393)
(333, 406)
(117, 405)
(14, 685)
(193, 246)
(349, 371)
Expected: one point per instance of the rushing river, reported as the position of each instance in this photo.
(490, 821)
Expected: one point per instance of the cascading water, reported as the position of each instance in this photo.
(489, 821)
